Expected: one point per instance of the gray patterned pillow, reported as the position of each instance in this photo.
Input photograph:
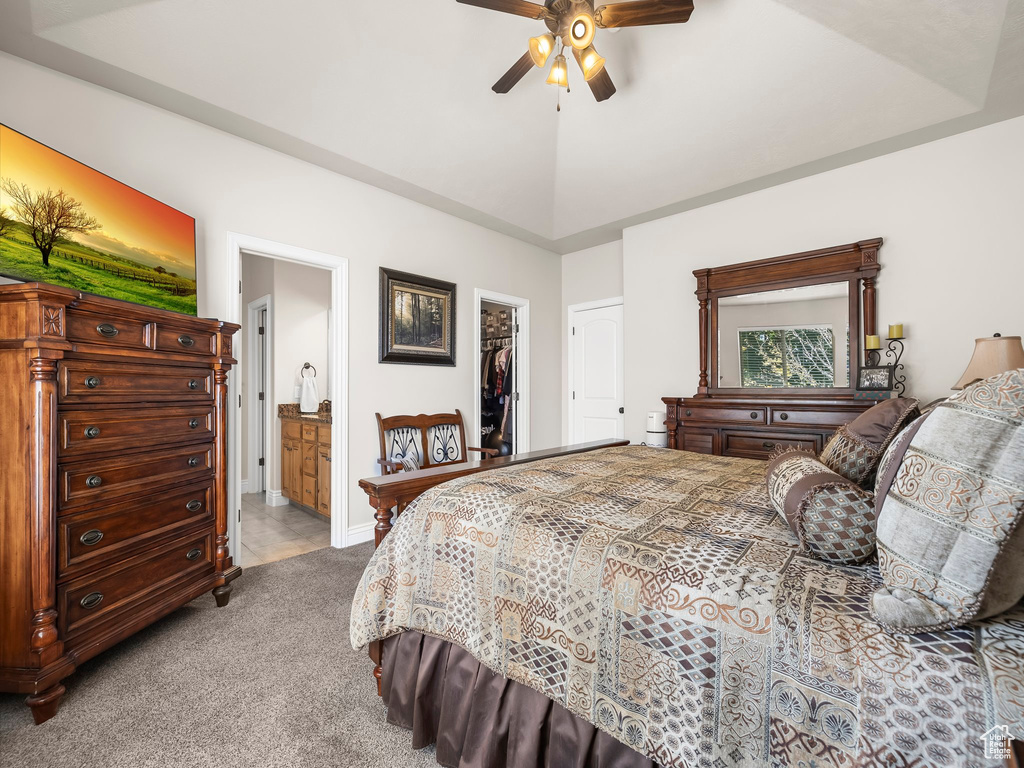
(856, 448)
(833, 517)
(950, 536)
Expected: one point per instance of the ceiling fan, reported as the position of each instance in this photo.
(574, 23)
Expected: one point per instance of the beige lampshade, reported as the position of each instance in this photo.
(992, 355)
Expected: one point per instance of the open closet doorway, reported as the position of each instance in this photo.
(287, 419)
(502, 397)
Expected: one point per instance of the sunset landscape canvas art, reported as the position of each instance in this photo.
(64, 223)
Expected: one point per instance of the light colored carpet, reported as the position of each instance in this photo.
(270, 680)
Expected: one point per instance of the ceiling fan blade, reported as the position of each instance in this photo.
(642, 13)
(517, 7)
(601, 84)
(514, 75)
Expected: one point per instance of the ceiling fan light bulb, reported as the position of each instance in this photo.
(592, 63)
(559, 73)
(541, 48)
(582, 31)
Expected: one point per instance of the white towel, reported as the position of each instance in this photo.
(309, 400)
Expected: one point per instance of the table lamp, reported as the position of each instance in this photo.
(992, 355)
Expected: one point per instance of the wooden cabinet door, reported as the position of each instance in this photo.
(323, 480)
(291, 482)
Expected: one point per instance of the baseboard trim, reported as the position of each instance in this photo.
(359, 534)
(276, 499)
(244, 485)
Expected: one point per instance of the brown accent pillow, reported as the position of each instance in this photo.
(856, 448)
(832, 517)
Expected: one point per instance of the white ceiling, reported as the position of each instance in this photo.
(749, 93)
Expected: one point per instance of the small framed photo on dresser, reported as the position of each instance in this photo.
(875, 378)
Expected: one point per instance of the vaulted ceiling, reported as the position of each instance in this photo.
(749, 93)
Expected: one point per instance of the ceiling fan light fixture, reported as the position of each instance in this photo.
(541, 48)
(559, 73)
(591, 62)
(582, 31)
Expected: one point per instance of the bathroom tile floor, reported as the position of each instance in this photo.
(274, 533)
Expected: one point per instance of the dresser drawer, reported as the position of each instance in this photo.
(323, 434)
(91, 599)
(734, 415)
(80, 381)
(290, 430)
(811, 418)
(117, 531)
(756, 445)
(696, 441)
(309, 433)
(108, 331)
(85, 432)
(96, 481)
(185, 342)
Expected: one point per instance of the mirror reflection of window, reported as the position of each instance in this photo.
(792, 338)
(787, 357)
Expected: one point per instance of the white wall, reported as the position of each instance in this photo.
(951, 213)
(231, 185)
(589, 275)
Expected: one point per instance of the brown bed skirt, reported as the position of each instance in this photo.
(479, 719)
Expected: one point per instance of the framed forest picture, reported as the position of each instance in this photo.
(417, 319)
(64, 223)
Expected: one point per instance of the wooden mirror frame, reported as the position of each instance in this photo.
(856, 263)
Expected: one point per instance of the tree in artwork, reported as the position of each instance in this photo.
(49, 216)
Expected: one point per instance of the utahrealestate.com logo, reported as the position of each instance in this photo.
(997, 742)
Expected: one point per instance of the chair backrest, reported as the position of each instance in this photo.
(434, 439)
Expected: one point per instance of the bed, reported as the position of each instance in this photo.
(656, 599)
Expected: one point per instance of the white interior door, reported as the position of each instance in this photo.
(597, 375)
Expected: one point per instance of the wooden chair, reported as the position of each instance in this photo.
(434, 440)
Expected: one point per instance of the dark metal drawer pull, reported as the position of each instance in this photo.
(91, 600)
(94, 481)
(194, 554)
(92, 382)
(193, 461)
(193, 384)
(768, 446)
(90, 538)
(194, 506)
(193, 423)
(107, 330)
(689, 413)
(186, 341)
(784, 416)
(753, 414)
(92, 432)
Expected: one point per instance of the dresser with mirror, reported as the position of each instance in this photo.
(781, 341)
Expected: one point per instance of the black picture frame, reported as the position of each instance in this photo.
(436, 345)
(870, 378)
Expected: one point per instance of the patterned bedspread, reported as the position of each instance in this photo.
(655, 594)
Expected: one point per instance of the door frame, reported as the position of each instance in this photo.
(338, 266)
(525, 412)
(254, 405)
(573, 310)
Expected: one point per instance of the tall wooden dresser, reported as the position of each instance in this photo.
(113, 479)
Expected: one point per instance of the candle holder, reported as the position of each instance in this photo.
(894, 351)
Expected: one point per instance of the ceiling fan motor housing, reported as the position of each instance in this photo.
(564, 13)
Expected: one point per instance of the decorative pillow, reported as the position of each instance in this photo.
(950, 536)
(833, 518)
(856, 448)
(892, 458)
